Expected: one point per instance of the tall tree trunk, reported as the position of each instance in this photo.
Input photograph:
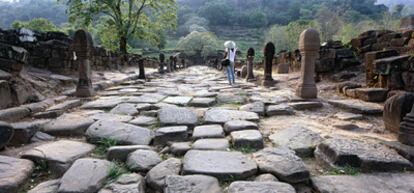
(123, 45)
(123, 49)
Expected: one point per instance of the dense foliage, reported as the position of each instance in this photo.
(122, 20)
(199, 43)
(26, 10)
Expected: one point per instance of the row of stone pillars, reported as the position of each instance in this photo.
(172, 65)
(309, 45)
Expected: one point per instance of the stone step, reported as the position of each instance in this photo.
(357, 106)
(366, 183)
(220, 164)
(341, 152)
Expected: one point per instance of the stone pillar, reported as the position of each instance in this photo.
(169, 65)
(250, 59)
(309, 44)
(406, 133)
(183, 62)
(269, 53)
(162, 60)
(175, 59)
(83, 46)
(141, 69)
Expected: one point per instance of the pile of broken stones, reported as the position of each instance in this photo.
(187, 132)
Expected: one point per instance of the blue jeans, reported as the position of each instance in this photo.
(230, 73)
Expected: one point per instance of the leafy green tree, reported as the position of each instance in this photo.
(217, 12)
(329, 23)
(37, 24)
(279, 36)
(142, 19)
(347, 32)
(199, 43)
(294, 29)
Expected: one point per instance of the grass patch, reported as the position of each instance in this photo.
(164, 157)
(224, 182)
(244, 150)
(102, 147)
(346, 170)
(156, 125)
(116, 170)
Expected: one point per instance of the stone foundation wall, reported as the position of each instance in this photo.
(387, 57)
(51, 51)
(333, 57)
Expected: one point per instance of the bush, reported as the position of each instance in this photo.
(199, 43)
(37, 24)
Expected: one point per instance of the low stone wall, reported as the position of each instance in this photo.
(333, 57)
(379, 40)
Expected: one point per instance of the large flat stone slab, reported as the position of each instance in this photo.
(178, 100)
(111, 117)
(240, 125)
(59, 155)
(164, 135)
(66, 126)
(260, 187)
(220, 164)
(14, 173)
(283, 163)
(144, 121)
(203, 102)
(191, 184)
(120, 153)
(364, 155)
(50, 186)
(256, 107)
(125, 134)
(86, 175)
(151, 98)
(211, 144)
(143, 160)
(128, 183)
(229, 98)
(303, 141)
(247, 139)
(366, 183)
(155, 178)
(23, 131)
(104, 103)
(208, 131)
(357, 106)
(125, 109)
(279, 110)
(177, 116)
(221, 116)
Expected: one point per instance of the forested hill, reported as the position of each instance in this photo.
(391, 3)
(26, 10)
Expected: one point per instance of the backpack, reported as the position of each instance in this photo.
(225, 62)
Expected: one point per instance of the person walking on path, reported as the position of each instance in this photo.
(231, 56)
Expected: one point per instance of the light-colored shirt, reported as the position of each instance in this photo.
(232, 55)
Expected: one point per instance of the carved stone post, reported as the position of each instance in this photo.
(83, 46)
(406, 132)
(141, 69)
(269, 52)
(250, 59)
(309, 45)
(169, 65)
(162, 60)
